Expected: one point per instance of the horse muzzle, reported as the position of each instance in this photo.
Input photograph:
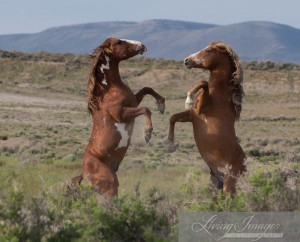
(189, 63)
(142, 49)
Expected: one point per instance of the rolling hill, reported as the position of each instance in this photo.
(167, 39)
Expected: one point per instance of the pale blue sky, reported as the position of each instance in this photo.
(30, 16)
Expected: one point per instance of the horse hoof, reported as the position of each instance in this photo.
(171, 147)
(161, 106)
(147, 134)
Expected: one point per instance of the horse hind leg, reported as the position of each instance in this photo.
(226, 184)
(230, 179)
(230, 184)
(216, 183)
(104, 180)
(106, 185)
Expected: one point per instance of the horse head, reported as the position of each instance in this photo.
(111, 51)
(219, 56)
(120, 49)
(212, 56)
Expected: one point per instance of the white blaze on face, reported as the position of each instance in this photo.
(138, 44)
(195, 57)
(121, 127)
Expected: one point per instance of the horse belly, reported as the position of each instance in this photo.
(110, 142)
(218, 149)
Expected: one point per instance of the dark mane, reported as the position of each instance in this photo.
(95, 87)
(237, 76)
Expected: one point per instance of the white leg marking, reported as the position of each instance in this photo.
(124, 135)
(189, 102)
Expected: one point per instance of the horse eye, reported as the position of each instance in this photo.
(208, 50)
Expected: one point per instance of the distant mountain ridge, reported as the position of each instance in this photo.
(169, 39)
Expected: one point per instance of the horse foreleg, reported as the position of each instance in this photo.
(189, 103)
(129, 113)
(201, 101)
(160, 101)
(178, 117)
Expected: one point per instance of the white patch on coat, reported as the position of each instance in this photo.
(121, 127)
(203, 117)
(104, 81)
(103, 67)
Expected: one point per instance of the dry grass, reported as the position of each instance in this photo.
(44, 124)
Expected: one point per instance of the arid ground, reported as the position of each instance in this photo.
(44, 127)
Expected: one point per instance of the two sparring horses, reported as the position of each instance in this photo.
(114, 107)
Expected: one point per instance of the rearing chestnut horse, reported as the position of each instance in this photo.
(217, 107)
(113, 107)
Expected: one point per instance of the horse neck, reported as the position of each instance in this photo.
(112, 74)
(219, 78)
(221, 89)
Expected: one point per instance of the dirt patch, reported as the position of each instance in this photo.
(15, 143)
(30, 100)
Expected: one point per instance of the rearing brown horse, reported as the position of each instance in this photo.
(113, 107)
(218, 105)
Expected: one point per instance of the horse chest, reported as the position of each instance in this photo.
(120, 97)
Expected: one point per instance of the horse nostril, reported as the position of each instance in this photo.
(186, 60)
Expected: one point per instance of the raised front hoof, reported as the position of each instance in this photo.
(147, 134)
(171, 147)
(161, 106)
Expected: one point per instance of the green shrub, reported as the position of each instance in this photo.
(79, 214)
(3, 137)
(275, 190)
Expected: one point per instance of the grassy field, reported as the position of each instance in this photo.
(45, 126)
